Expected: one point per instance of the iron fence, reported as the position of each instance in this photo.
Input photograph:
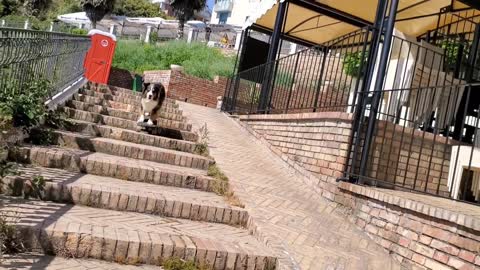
(319, 78)
(27, 55)
(423, 135)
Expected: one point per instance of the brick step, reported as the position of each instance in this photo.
(110, 193)
(136, 107)
(119, 113)
(124, 98)
(127, 237)
(123, 168)
(171, 131)
(37, 261)
(107, 89)
(130, 150)
(126, 135)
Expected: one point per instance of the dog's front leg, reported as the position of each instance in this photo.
(142, 118)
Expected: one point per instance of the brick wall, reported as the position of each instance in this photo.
(401, 155)
(121, 78)
(188, 88)
(429, 235)
(158, 76)
(426, 232)
(316, 143)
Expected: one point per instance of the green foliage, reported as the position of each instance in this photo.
(220, 186)
(41, 137)
(78, 31)
(57, 120)
(179, 264)
(19, 21)
(153, 37)
(184, 10)
(97, 9)
(8, 7)
(451, 49)
(196, 58)
(352, 63)
(10, 238)
(138, 8)
(284, 79)
(7, 168)
(34, 187)
(24, 104)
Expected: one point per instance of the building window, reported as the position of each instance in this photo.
(223, 17)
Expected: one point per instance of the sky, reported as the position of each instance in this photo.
(210, 4)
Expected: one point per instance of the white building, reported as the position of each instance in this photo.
(234, 12)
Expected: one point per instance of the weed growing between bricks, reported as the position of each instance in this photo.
(179, 264)
(10, 238)
(221, 186)
(201, 148)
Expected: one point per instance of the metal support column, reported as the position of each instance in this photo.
(379, 81)
(272, 55)
(360, 105)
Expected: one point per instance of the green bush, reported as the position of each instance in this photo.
(78, 31)
(196, 58)
(24, 107)
(352, 62)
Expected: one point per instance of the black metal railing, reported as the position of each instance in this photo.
(322, 78)
(27, 55)
(424, 137)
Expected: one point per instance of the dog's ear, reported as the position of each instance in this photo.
(145, 86)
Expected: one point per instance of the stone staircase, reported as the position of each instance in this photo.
(114, 193)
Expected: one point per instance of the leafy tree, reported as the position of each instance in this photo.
(97, 9)
(184, 11)
(138, 8)
(36, 8)
(8, 7)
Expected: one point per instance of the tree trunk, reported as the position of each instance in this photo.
(181, 26)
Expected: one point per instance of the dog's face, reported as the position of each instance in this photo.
(151, 91)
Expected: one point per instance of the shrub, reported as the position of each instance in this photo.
(24, 107)
(352, 62)
(78, 31)
(196, 58)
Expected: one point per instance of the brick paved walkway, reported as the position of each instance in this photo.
(288, 214)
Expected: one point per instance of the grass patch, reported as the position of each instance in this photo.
(196, 58)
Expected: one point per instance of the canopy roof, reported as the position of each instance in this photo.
(319, 21)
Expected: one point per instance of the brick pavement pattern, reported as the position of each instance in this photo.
(285, 213)
(116, 194)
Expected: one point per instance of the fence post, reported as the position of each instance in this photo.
(25, 26)
(51, 27)
(378, 90)
(147, 36)
(238, 40)
(3, 23)
(112, 29)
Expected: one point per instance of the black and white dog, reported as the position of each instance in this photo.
(153, 96)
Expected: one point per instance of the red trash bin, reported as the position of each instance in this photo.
(98, 60)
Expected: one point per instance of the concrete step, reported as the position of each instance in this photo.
(169, 129)
(130, 150)
(127, 237)
(105, 110)
(123, 98)
(135, 107)
(110, 193)
(126, 135)
(123, 168)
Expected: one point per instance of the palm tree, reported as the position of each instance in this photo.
(97, 9)
(184, 11)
